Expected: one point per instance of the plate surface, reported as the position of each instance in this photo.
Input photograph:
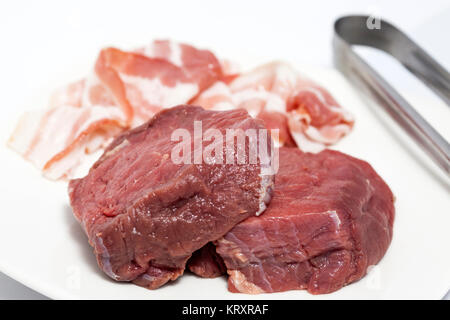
(43, 247)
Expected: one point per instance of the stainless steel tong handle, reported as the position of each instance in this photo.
(352, 30)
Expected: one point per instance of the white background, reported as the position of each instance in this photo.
(37, 34)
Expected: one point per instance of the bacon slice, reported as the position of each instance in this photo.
(265, 88)
(82, 93)
(313, 118)
(70, 95)
(278, 120)
(55, 140)
(159, 76)
(201, 66)
(127, 88)
(82, 119)
(124, 89)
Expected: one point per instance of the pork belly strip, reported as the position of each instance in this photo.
(145, 215)
(330, 218)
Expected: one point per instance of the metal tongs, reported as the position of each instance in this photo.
(355, 30)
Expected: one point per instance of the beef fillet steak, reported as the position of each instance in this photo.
(330, 218)
(145, 215)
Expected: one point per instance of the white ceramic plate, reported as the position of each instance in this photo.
(42, 246)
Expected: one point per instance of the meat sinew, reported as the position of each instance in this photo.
(145, 214)
(330, 218)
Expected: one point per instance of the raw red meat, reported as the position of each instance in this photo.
(206, 263)
(145, 214)
(330, 218)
